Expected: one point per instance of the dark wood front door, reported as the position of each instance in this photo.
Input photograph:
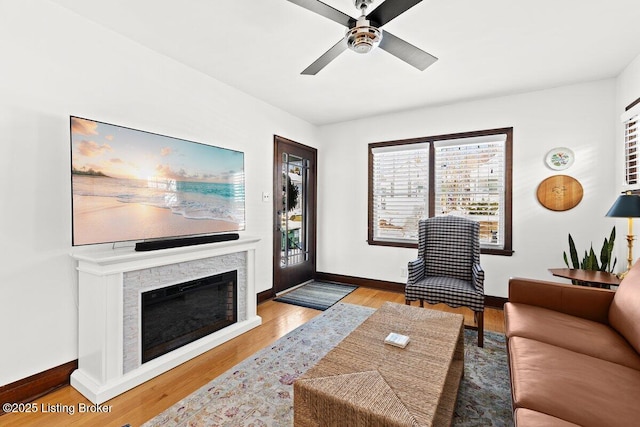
(294, 212)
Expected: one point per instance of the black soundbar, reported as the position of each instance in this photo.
(154, 245)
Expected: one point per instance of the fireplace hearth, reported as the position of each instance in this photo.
(177, 315)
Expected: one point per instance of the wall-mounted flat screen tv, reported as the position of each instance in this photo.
(130, 185)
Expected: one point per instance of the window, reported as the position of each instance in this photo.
(630, 121)
(470, 181)
(466, 174)
(400, 190)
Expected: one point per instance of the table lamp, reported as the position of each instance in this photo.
(627, 206)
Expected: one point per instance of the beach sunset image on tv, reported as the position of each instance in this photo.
(134, 185)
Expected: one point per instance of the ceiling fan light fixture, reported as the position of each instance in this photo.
(363, 37)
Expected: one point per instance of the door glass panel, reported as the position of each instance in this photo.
(293, 215)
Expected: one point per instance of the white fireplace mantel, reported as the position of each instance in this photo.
(102, 333)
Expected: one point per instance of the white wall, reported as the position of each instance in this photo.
(55, 64)
(628, 85)
(579, 117)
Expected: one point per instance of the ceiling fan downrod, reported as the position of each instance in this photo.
(362, 5)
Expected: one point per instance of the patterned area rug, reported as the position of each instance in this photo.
(259, 390)
(318, 295)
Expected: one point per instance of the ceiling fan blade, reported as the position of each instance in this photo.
(406, 51)
(327, 57)
(326, 11)
(390, 9)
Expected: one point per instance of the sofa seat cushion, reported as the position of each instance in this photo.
(570, 332)
(527, 418)
(574, 387)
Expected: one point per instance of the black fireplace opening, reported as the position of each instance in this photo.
(177, 315)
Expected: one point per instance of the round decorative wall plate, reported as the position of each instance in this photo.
(560, 193)
(559, 158)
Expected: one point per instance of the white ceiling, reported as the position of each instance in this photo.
(485, 48)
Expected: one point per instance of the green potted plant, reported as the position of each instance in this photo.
(590, 260)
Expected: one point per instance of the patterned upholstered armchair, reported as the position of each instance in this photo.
(448, 266)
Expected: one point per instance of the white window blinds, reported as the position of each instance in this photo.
(400, 190)
(470, 181)
(630, 120)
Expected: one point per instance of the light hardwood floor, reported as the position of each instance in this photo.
(149, 399)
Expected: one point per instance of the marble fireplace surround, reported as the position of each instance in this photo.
(111, 282)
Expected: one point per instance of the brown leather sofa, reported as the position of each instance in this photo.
(574, 353)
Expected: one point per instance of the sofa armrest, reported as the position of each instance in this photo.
(581, 301)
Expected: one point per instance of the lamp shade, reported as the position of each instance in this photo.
(626, 206)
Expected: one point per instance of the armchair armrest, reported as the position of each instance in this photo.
(415, 270)
(477, 275)
(581, 301)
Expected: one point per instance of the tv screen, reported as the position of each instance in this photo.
(129, 185)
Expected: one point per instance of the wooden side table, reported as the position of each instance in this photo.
(598, 278)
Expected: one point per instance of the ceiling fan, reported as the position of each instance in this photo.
(364, 33)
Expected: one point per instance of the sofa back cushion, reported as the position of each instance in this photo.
(624, 313)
